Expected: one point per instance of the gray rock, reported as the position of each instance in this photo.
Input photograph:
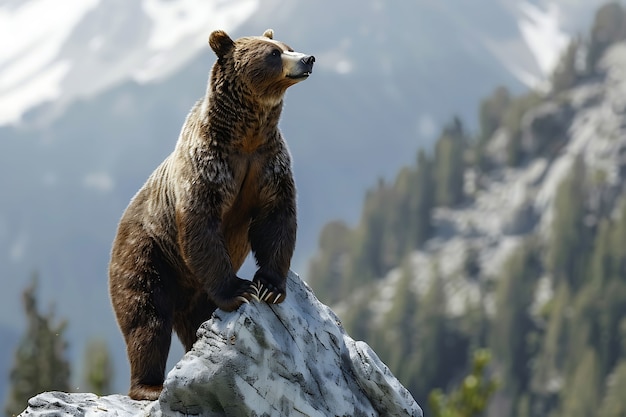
(78, 404)
(292, 359)
(545, 128)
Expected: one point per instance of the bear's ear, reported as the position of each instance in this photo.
(269, 33)
(221, 43)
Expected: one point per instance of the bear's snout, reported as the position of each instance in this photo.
(298, 66)
(308, 60)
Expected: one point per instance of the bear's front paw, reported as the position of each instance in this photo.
(270, 287)
(237, 292)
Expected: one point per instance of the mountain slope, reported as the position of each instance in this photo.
(529, 262)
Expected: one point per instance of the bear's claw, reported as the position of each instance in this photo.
(254, 292)
(265, 294)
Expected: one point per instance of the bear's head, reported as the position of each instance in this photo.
(258, 66)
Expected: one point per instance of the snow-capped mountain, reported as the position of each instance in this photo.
(61, 54)
(94, 92)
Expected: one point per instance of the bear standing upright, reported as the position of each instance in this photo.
(226, 189)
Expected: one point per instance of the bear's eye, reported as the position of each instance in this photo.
(276, 53)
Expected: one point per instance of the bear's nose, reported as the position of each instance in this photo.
(308, 60)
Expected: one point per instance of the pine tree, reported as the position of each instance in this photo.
(328, 269)
(614, 401)
(450, 164)
(421, 202)
(550, 361)
(368, 261)
(40, 364)
(566, 73)
(440, 346)
(609, 26)
(569, 249)
(580, 397)
(398, 328)
(511, 329)
(98, 367)
(432, 332)
(512, 122)
(492, 110)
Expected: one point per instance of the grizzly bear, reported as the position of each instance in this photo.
(226, 189)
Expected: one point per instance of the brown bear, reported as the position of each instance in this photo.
(226, 189)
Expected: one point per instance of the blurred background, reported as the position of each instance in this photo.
(459, 168)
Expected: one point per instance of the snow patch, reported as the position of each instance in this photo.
(541, 30)
(182, 28)
(176, 20)
(37, 30)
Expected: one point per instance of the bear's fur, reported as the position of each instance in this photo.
(226, 189)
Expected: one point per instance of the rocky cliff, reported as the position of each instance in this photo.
(292, 359)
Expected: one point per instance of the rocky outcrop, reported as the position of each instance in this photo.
(292, 359)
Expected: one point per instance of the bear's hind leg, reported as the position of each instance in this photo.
(148, 337)
(187, 323)
(147, 352)
(140, 294)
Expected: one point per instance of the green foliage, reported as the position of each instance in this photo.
(372, 256)
(580, 398)
(450, 164)
(40, 364)
(614, 402)
(551, 358)
(566, 73)
(512, 122)
(490, 118)
(502, 111)
(492, 111)
(434, 330)
(98, 367)
(609, 26)
(328, 268)
(514, 325)
(570, 237)
(472, 397)
(400, 335)
(420, 203)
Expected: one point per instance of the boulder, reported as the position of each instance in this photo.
(291, 359)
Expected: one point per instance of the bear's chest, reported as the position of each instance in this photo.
(245, 198)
